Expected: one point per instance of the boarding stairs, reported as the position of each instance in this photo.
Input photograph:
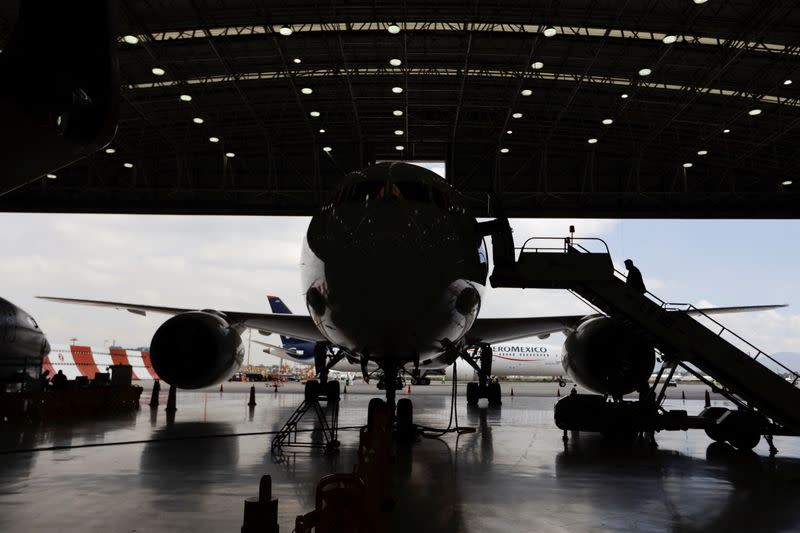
(288, 434)
(674, 329)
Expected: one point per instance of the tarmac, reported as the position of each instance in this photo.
(148, 471)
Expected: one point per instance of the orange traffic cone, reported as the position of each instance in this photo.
(408, 390)
(220, 388)
(512, 391)
(558, 392)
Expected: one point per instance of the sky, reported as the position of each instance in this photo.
(232, 263)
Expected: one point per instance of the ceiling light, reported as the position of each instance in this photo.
(669, 39)
(509, 132)
(399, 147)
(51, 176)
(393, 28)
(297, 60)
(131, 39)
(754, 112)
(314, 114)
(526, 92)
(787, 82)
(397, 113)
(198, 120)
(326, 148)
(787, 182)
(397, 90)
(687, 165)
(592, 141)
(286, 30)
(645, 72)
(702, 152)
(398, 132)
(624, 96)
(538, 65)
(158, 71)
(395, 62)
(700, 1)
(503, 150)
(110, 150)
(516, 115)
(230, 155)
(213, 139)
(186, 97)
(549, 31)
(608, 121)
(726, 130)
(322, 130)
(306, 90)
(127, 165)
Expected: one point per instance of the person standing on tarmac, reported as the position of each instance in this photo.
(634, 279)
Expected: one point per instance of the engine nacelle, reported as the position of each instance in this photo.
(196, 349)
(607, 358)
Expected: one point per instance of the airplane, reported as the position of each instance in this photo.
(23, 346)
(394, 269)
(526, 360)
(78, 360)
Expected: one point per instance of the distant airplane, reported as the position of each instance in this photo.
(78, 360)
(394, 268)
(524, 360)
(23, 346)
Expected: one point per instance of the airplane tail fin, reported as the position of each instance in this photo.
(277, 306)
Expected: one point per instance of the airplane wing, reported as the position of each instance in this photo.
(301, 327)
(494, 330)
(488, 330)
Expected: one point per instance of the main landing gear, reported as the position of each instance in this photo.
(486, 387)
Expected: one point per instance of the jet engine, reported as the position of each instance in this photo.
(196, 349)
(607, 358)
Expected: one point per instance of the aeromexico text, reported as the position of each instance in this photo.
(519, 349)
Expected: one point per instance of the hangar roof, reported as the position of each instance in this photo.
(569, 108)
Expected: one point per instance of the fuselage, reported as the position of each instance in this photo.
(517, 359)
(393, 266)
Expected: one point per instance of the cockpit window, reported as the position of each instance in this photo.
(414, 191)
(362, 192)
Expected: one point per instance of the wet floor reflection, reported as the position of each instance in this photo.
(726, 491)
(512, 474)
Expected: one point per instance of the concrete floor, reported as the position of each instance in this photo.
(513, 474)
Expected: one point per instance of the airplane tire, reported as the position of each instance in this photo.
(562, 383)
(716, 433)
(332, 389)
(743, 429)
(425, 381)
(494, 394)
(405, 419)
(473, 394)
(312, 390)
(745, 440)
